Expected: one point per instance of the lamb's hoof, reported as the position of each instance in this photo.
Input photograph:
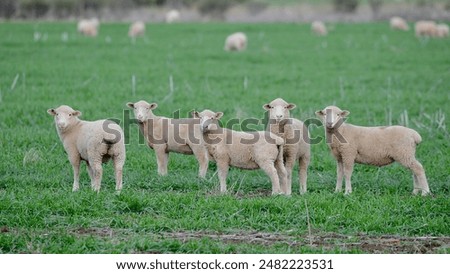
(96, 189)
(75, 189)
(348, 193)
(426, 193)
(416, 191)
(223, 192)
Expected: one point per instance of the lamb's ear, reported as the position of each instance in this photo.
(266, 107)
(51, 111)
(195, 114)
(291, 106)
(219, 115)
(76, 113)
(345, 113)
(320, 113)
(130, 105)
(153, 105)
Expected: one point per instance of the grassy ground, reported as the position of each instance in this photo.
(377, 74)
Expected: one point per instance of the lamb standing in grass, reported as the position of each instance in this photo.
(88, 27)
(93, 142)
(136, 29)
(172, 16)
(377, 146)
(319, 28)
(442, 30)
(236, 42)
(296, 139)
(245, 150)
(166, 135)
(398, 23)
(425, 28)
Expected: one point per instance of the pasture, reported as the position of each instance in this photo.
(382, 77)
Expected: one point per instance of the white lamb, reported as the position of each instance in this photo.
(319, 28)
(398, 23)
(172, 16)
(442, 30)
(166, 135)
(378, 146)
(425, 28)
(245, 150)
(296, 140)
(88, 27)
(136, 29)
(93, 142)
(236, 42)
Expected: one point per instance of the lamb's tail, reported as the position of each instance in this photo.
(416, 137)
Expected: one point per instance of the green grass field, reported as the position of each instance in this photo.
(382, 77)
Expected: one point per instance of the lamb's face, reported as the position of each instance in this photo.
(65, 116)
(331, 116)
(279, 109)
(208, 119)
(142, 110)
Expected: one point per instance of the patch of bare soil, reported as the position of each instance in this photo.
(101, 232)
(321, 241)
(329, 241)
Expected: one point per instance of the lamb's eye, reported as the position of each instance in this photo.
(70, 114)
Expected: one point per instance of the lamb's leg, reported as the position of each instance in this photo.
(271, 171)
(340, 176)
(303, 173)
(90, 172)
(289, 167)
(416, 184)
(348, 170)
(223, 168)
(98, 172)
(162, 159)
(202, 157)
(75, 161)
(283, 177)
(118, 170)
(421, 178)
(420, 182)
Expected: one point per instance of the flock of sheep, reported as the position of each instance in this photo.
(276, 150)
(90, 27)
(425, 28)
(238, 41)
(422, 28)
